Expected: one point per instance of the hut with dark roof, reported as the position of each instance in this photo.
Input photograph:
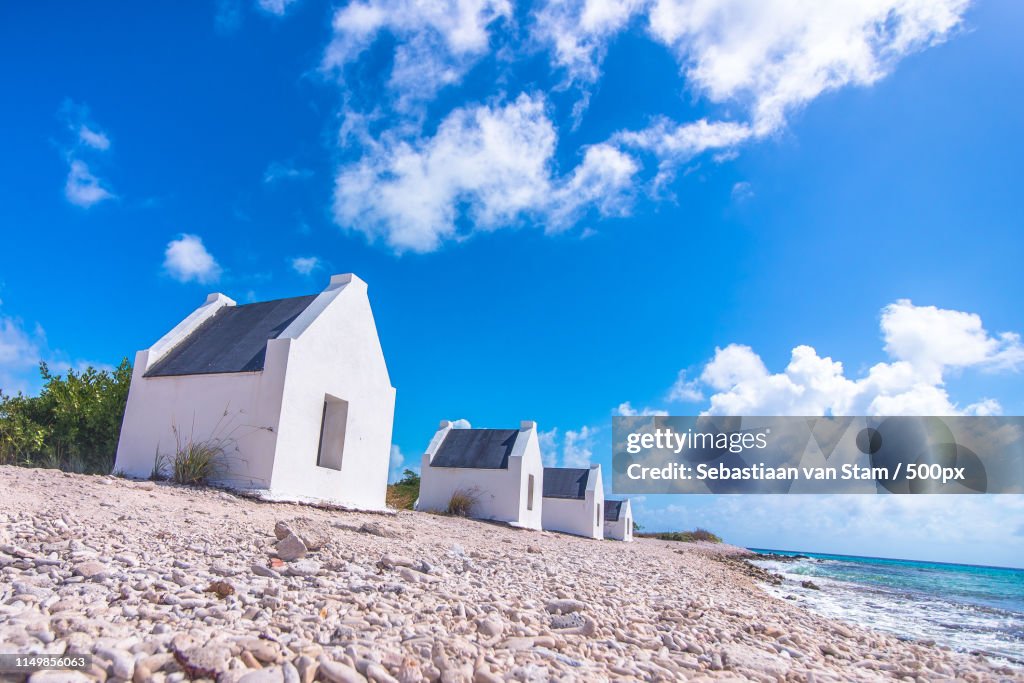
(618, 520)
(574, 501)
(292, 395)
(493, 474)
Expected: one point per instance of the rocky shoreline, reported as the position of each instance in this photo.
(163, 583)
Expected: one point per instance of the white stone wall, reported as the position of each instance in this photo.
(621, 530)
(273, 417)
(580, 517)
(334, 350)
(501, 495)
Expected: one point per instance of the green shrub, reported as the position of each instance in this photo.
(74, 423)
(403, 493)
(462, 502)
(694, 536)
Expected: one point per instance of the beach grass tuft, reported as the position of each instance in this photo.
(462, 502)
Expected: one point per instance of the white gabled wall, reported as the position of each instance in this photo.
(501, 495)
(334, 350)
(241, 410)
(580, 517)
(621, 530)
(273, 417)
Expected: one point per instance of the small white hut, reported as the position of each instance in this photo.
(295, 392)
(499, 470)
(618, 520)
(574, 501)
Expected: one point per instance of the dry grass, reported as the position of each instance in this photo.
(193, 462)
(401, 497)
(462, 502)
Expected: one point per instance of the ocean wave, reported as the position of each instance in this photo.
(965, 622)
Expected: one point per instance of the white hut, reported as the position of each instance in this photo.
(499, 470)
(574, 501)
(295, 392)
(618, 520)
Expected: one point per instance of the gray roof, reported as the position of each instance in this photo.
(565, 482)
(612, 509)
(486, 449)
(234, 339)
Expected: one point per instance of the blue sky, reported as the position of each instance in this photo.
(558, 207)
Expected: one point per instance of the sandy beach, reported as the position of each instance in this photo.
(166, 583)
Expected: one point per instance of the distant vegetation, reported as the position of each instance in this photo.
(684, 536)
(404, 492)
(73, 424)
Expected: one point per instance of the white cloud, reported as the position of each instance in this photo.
(578, 32)
(186, 259)
(742, 191)
(571, 448)
(461, 423)
(278, 7)
(578, 447)
(304, 265)
(284, 171)
(436, 42)
(492, 163)
(777, 55)
(604, 180)
(21, 351)
(674, 144)
(971, 529)
(82, 187)
(924, 343)
(549, 447)
(96, 139)
(685, 390)
(627, 410)
(395, 463)
(932, 339)
(19, 354)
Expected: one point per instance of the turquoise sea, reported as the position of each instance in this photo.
(967, 607)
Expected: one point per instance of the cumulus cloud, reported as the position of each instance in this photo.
(436, 42)
(742, 191)
(96, 139)
(777, 55)
(685, 390)
(82, 188)
(22, 348)
(461, 423)
(758, 62)
(673, 144)
(494, 163)
(925, 344)
(549, 447)
(186, 259)
(578, 447)
(928, 527)
(395, 463)
(578, 32)
(278, 7)
(571, 448)
(19, 354)
(627, 410)
(304, 265)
